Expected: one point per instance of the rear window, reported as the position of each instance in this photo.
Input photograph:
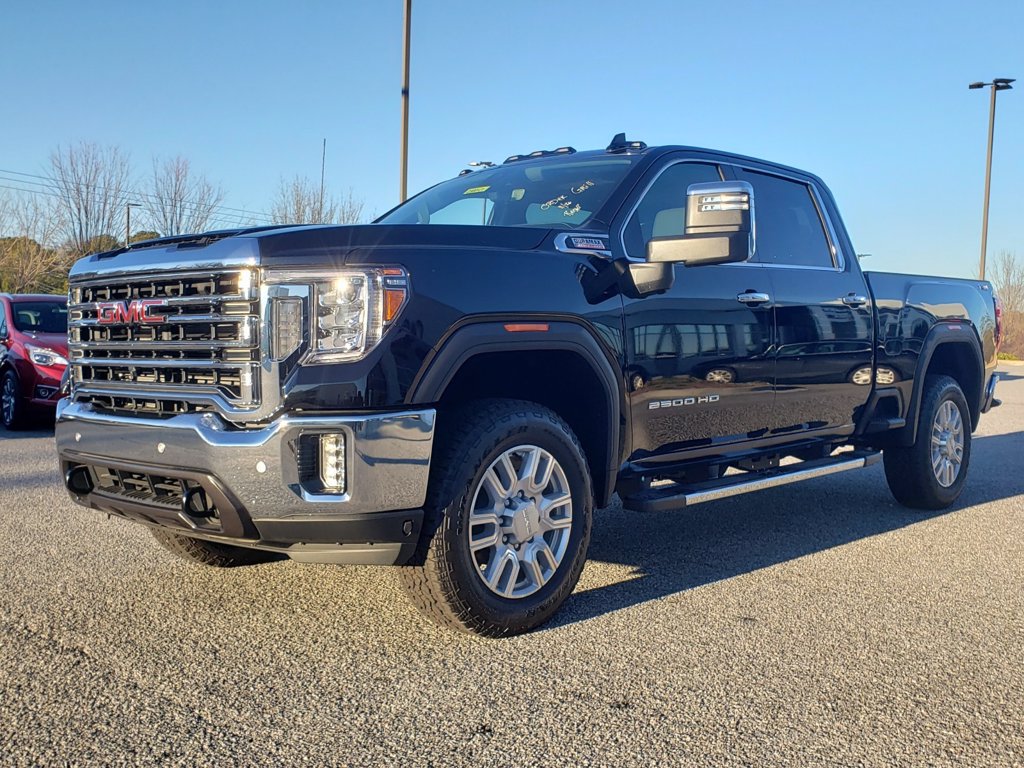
(40, 316)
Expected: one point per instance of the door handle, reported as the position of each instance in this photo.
(753, 298)
(853, 300)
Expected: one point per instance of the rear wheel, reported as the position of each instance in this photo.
(12, 407)
(508, 520)
(930, 474)
(209, 552)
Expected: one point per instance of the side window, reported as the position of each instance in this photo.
(662, 211)
(788, 225)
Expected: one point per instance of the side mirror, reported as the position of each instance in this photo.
(719, 227)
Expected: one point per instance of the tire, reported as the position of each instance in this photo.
(210, 553)
(479, 590)
(12, 407)
(909, 469)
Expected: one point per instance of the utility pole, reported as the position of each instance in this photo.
(404, 187)
(997, 84)
(323, 161)
(128, 222)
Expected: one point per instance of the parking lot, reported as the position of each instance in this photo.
(818, 624)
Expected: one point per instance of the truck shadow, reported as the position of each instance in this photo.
(22, 434)
(668, 553)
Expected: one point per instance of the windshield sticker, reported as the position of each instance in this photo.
(518, 194)
(561, 201)
(475, 190)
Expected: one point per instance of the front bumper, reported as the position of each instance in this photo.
(252, 483)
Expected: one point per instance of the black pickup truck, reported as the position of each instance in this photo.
(456, 387)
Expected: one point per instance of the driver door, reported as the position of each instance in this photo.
(700, 364)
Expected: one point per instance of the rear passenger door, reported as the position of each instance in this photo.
(823, 316)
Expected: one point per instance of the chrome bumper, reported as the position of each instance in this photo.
(255, 471)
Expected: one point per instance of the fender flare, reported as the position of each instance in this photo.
(489, 336)
(940, 335)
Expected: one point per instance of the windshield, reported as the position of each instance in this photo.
(40, 316)
(561, 193)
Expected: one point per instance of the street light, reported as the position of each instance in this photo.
(128, 222)
(997, 84)
(405, 102)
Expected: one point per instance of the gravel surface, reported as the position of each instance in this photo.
(818, 624)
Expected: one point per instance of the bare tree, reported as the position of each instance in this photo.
(299, 201)
(179, 201)
(93, 184)
(1007, 275)
(30, 259)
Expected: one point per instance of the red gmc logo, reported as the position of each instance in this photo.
(123, 312)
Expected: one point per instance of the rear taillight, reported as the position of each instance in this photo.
(999, 322)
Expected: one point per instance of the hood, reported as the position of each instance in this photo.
(281, 246)
(293, 243)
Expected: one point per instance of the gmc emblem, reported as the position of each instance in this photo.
(124, 312)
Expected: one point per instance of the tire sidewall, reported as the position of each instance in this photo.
(536, 608)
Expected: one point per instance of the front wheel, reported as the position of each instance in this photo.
(930, 474)
(508, 520)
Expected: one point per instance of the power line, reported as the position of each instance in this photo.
(48, 182)
(229, 220)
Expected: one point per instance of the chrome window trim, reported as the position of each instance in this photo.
(640, 198)
(838, 259)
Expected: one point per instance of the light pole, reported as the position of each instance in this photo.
(128, 222)
(997, 84)
(405, 102)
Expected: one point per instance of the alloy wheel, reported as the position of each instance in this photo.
(947, 443)
(520, 521)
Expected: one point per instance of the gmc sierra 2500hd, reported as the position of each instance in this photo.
(456, 387)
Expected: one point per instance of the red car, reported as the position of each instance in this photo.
(33, 355)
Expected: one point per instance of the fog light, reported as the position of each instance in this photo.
(332, 462)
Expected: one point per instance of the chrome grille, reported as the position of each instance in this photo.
(195, 346)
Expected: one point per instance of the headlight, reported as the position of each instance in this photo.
(349, 310)
(45, 357)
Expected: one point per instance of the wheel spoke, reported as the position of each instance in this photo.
(503, 571)
(547, 470)
(496, 489)
(549, 503)
(540, 562)
(490, 536)
(548, 523)
(528, 469)
(533, 568)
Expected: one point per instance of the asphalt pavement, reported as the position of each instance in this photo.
(816, 624)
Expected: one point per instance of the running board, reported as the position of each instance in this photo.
(678, 495)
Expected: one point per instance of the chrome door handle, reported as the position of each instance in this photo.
(753, 298)
(853, 300)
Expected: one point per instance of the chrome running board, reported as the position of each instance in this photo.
(679, 495)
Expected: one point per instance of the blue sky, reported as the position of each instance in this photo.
(871, 96)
